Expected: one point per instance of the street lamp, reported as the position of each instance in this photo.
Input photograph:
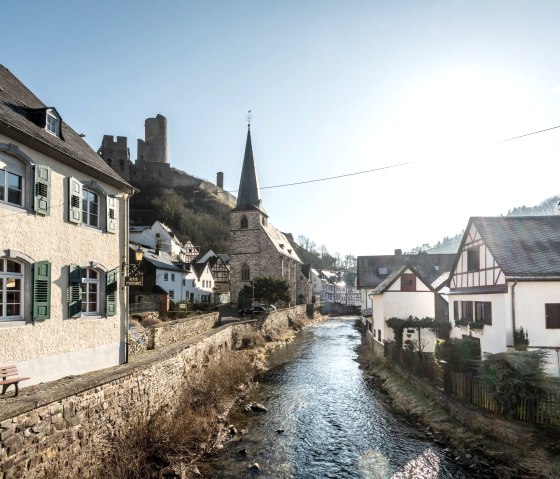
(133, 268)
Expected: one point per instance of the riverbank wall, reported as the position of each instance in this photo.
(54, 430)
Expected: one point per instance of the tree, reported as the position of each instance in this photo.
(268, 290)
(513, 376)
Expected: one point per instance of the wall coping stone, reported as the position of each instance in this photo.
(42, 394)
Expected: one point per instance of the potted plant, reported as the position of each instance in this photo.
(520, 339)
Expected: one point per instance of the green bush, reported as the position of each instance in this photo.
(514, 375)
(460, 354)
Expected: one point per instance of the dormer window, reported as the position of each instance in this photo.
(53, 123)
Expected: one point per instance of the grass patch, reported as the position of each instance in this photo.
(170, 437)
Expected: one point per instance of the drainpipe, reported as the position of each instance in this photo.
(513, 306)
(126, 260)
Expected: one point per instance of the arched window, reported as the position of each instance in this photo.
(245, 274)
(244, 223)
(11, 289)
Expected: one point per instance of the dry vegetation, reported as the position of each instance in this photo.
(167, 441)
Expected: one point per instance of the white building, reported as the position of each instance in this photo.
(507, 275)
(63, 240)
(404, 293)
(158, 237)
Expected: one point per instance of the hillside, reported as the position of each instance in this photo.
(193, 214)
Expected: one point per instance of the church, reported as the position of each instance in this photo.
(258, 249)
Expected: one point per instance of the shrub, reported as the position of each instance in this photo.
(514, 375)
(460, 354)
(152, 443)
(520, 338)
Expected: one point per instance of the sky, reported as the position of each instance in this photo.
(335, 87)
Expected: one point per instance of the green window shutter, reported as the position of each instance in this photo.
(111, 214)
(74, 291)
(41, 290)
(42, 190)
(74, 201)
(111, 292)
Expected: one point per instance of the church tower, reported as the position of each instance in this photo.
(258, 249)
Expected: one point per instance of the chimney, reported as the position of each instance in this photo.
(398, 252)
(220, 180)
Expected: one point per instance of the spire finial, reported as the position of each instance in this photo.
(249, 117)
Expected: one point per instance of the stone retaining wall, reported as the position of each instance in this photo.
(173, 331)
(58, 426)
(169, 332)
(280, 319)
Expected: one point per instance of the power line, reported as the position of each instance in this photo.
(529, 134)
(330, 177)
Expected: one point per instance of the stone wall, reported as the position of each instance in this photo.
(56, 428)
(173, 331)
(281, 319)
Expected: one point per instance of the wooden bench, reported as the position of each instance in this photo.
(7, 374)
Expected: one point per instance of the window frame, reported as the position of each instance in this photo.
(408, 277)
(554, 309)
(245, 272)
(52, 126)
(4, 276)
(473, 259)
(86, 213)
(85, 285)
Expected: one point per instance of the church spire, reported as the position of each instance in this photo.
(248, 195)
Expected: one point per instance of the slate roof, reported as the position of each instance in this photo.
(387, 282)
(429, 266)
(162, 261)
(22, 118)
(278, 238)
(523, 246)
(248, 195)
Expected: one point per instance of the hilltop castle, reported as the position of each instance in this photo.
(152, 163)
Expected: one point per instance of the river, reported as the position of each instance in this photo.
(335, 423)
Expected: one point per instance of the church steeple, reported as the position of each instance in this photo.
(248, 195)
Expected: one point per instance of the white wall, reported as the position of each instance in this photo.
(53, 238)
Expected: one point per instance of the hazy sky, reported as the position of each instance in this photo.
(335, 88)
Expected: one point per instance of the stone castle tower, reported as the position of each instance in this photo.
(257, 249)
(116, 154)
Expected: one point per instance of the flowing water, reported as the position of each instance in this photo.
(335, 423)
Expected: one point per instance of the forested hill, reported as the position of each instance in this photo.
(192, 214)
(201, 217)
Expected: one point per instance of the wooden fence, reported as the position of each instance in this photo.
(467, 386)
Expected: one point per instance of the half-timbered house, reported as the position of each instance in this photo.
(506, 276)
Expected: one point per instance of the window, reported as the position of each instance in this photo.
(171, 294)
(473, 259)
(479, 311)
(245, 276)
(244, 223)
(379, 335)
(90, 291)
(172, 276)
(194, 283)
(483, 312)
(408, 282)
(552, 312)
(11, 188)
(467, 310)
(165, 276)
(184, 282)
(11, 289)
(53, 123)
(85, 205)
(90, 208)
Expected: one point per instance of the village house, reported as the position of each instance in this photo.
(402, 294)
(373, 270)
(219, 267)
(158, 237)
(257, 249)
(506, 276)
(63, 244)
